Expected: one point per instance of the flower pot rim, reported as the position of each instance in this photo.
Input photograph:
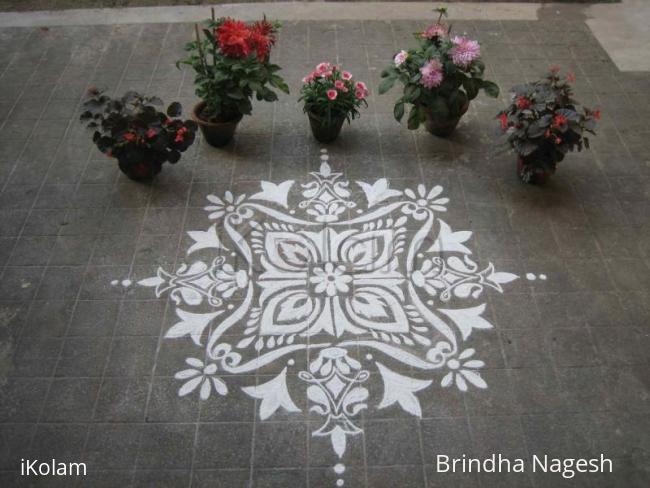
(199, 107)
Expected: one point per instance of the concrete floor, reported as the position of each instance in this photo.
(115, 355)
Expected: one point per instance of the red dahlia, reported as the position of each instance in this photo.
(234, 38)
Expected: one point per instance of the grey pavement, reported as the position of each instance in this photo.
(87, 374)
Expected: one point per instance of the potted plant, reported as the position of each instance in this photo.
(439, 77)
(543, 123)
(132, 130)
(231, 62)
(331, 96)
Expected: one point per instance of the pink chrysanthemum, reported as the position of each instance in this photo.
(435, 30)
(332, 94)
(464, 51)
(431, 74)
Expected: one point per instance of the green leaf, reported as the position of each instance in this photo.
(414, 118)
(471, 86)
(491, 89)
(174, 109)
(412, 93)
(398, 111)
(386, 84)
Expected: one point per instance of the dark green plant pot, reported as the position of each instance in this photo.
(443, 127)
(531, 173)
(323, 132)
(142, 172)
(217, 134)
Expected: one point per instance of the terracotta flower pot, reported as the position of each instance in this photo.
(529, 173)
(142, 172)
(324, 132)
(443, 127)
(217, 134)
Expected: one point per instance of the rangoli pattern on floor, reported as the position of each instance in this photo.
(344, 280)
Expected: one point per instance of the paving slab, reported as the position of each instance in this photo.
(98, 364)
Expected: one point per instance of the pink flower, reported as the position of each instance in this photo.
(346, 75)
(332, 94)
(435, 30)
(326, 74)
(571, 78)
(431, 73)
(400, 57)
(340, 85)
(310, 77)
(322, 67)
(361, 90)
(464, 51)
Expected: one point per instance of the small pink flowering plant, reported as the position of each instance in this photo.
(330, 93)
(440, 77)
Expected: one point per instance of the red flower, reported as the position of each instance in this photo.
(151, 133)
(261, 44)
(596, 114)
(130, 136)
(523, 103)
(571, 78)
(503, 118)
(558, 140)
(180, 134)
(233, 37)
(559, 120)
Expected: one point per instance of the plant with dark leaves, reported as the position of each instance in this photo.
(231, 62)
(543, 122)
(440, 76)
(132, 130)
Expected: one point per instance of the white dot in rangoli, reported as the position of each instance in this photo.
(339, 468)
(114, 282)
(359, 211)
(369, 357)
(25, 284)
(420, 255)
(230, 306)
(530, 277)
(233, 254)
(339, 482)
(126, 283)
(324, 157)
(292, 212)
(324, 151)
(542, 277)
(291, 362)
(429, 302)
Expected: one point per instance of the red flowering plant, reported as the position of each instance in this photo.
(231, 62)
(132, 130)
(439, 77)
(543, 123)
(330, 93)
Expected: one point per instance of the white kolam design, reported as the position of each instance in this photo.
(356, 286)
